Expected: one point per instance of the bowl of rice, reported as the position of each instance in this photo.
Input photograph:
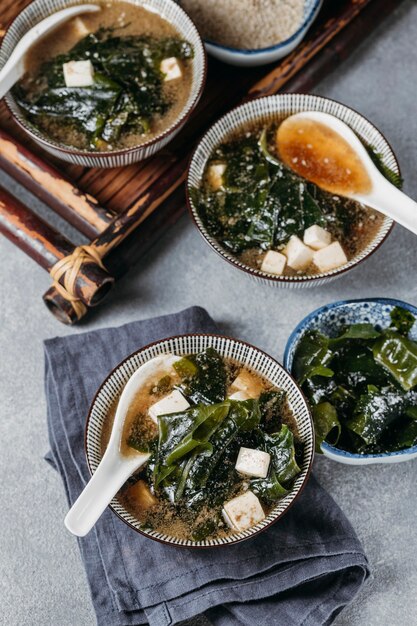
(252, 33)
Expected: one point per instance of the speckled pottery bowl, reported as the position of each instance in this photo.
(330, 319)
(242, 353)
(167, 9)
(280, 107)
(261, 56)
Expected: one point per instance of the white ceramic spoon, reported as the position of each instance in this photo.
(114, 468)
(14, 68)
(383, 195)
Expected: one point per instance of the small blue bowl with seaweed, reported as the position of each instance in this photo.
(356, 362)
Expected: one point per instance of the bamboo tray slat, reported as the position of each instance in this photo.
(108, 205)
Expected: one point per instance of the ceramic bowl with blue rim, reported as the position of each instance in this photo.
(241, 353)
(262, 56)
(329, 320)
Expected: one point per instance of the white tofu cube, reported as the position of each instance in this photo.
(299, 256)
(274, 263)
(173, 403)
(78, 73)
(239, 395)
(247, 383)
(330, 258)
(215, 175)
(254, 463)
(243, 512)
(171, 68)
(317, 237)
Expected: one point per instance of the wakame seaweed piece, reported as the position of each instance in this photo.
(363, 331)
(375, 412)
(283, 466)
(185, 368)
(128, 68)
(386, 171)
(140, 437)
(280, 446)
(243, 417)
(402, 319)
(326, 424)
(271, 405)
(398, 356)
(356, 368)
(180, 433)
(209, 384)
(312, 356)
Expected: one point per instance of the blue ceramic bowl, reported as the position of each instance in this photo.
(252, 58)
(330, 319)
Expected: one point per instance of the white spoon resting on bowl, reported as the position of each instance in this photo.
(114, 468)
(324, 150)
(14, 68)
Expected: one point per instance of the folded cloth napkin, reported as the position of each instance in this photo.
(302, 570)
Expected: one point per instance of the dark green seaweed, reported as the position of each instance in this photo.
(262, 202)
(127, 91)
(361, 385)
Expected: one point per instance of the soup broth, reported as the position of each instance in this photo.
(131, 100)
(253, 204)
(191, 501)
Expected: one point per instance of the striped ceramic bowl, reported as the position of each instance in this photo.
(330, 319)
(186, 344)
(279, 107)
(170, 11)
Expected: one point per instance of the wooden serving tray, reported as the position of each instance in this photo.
(125, 210)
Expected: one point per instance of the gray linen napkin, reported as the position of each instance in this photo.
(303, 570)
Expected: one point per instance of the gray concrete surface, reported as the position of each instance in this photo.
(41, 578)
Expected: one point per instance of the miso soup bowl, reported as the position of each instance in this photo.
(330, 319)
(240, 352)
(167, 9)
(278, 108)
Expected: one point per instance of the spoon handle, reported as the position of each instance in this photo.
(395, 204)
(106, 481)
(10, 74)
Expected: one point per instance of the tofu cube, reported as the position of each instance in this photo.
(171, 68)
(274, 263)
(239, 395)
(330, 257)
(247, 383)
(317, 237)
(78, 73)
(215, 175)
(254, 463)
(172, 403)
(243, 512)
(78, 29)
(140, 493)
(299, 256)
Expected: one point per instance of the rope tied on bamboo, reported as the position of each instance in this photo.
(69, 267)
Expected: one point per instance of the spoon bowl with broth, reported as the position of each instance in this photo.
(324, 150)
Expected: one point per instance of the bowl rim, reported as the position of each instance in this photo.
(179, 122)
(307, 279)
(304, 325)
(247, 52)
(196, 545)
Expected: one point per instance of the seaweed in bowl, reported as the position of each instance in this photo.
(108, 80)
(224, 448)
(273, 220)
(361, 383)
